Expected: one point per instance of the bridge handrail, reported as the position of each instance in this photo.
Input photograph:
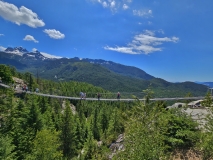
(104, 99)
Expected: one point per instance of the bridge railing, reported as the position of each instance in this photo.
(108, 95)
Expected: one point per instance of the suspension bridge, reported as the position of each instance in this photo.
(102, 99)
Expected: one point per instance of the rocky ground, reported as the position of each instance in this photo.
(198, 114)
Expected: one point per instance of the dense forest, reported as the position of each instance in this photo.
(35, 127)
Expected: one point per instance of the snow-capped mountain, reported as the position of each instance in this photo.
(17, 50)
(50, 56)
(36, 55)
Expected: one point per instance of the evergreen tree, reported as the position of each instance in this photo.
(207, 102)
(20, 130)
(68, 130)
(103, 122)
(143, 134)
(47, 119)
(6, 148)
(182, 131)
(80, 133)
(95, 128)
(206, 143)
(5, 74)
(34, 120)
(43, 104)
(46, 146)
(90, 146)
(115, 125)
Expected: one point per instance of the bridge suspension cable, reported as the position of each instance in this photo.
(104, 99)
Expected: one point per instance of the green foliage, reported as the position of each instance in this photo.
(46, 146)
(68, 130)
(143, 134)
(90, 147)
(115, 125)
(148, 95)
(6, 148)
(43, 128)
(182, 131)
(151, 131)
(34, 120)
(114, 78)
(207, 102)
(19, 128)
(206, 143)
(5, 74)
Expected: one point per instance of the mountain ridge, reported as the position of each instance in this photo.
(106, 74)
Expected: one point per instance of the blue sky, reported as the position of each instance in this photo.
(167, 39)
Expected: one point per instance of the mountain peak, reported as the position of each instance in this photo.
(16, 50)
(34, 53)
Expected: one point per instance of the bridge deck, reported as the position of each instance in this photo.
(103, 99)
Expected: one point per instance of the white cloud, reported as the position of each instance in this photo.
(1, 35)
(113, 5)
(54, 33)
(161, 31)
(2, 48)
(144, 43)
(30, 38)
(105, 4)
(125, 6)
(148, 32)
(20, 15)
(142, 13)
(34, 50)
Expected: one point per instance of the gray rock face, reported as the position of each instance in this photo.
(73, 108)
(117, 146)
(198, 114)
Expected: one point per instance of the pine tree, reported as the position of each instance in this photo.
(207, 102)
(90, 146)
(80, 134)
(46, 146)
(143, 138)
(5, 74)
(6, 148)
(47, 119)
(34, 120)
(68, 133)
(43, 104)
(206, 143)
(20, 130)
(95, 128)
(115, 125)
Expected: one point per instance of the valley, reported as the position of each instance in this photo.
(92, 128)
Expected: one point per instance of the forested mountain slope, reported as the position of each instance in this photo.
(64, 70)
(121, 69)
(108, 75)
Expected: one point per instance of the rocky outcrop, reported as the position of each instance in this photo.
(117, 146)
(72, 107)
(18, 80)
